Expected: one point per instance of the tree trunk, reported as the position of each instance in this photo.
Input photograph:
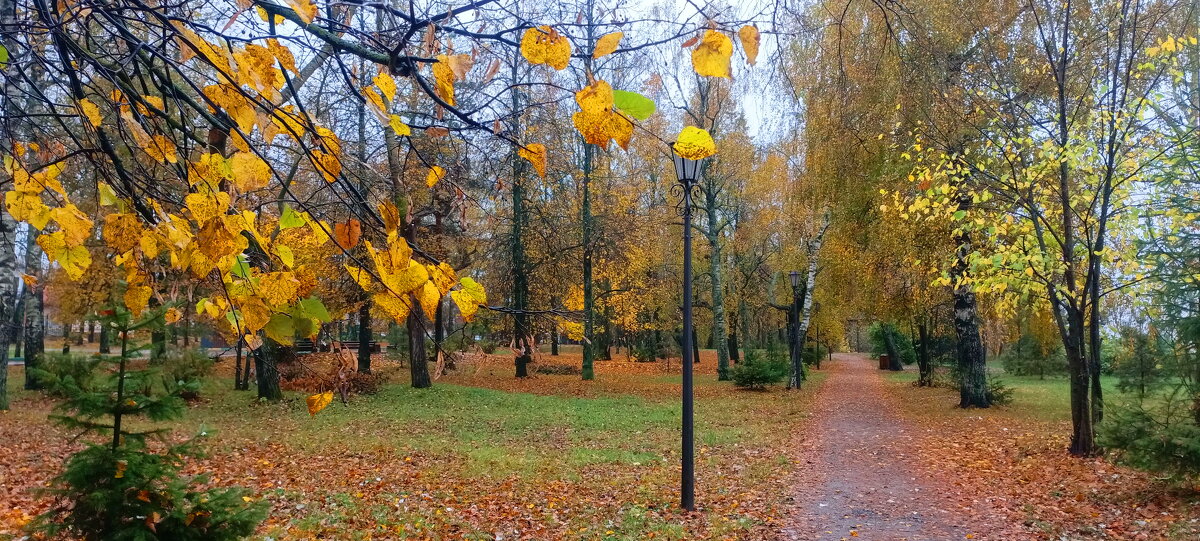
(589, 295)
(237, 367)
(554, 341)
(889, 339)
(418, 361)
(522, 329)
(715, 269)
(91, 331)
(105, 339)
(925, 379)
(364, 338)
(35, 319)
(8, 295)
(66, 336)
(266, 368)
(972, 358)
(734, 355)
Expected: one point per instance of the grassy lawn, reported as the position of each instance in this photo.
(1047, 399)
(482, 454)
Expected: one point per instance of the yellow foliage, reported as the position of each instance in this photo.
(544, 45)
(74, 259)
(750, 39)
(435, 175)
(137, 297)
(607, 44)
(694, 144)
(536, 154)
(711, 56)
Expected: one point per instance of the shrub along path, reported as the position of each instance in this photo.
(859, 473)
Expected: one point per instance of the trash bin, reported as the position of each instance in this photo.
(883, 362)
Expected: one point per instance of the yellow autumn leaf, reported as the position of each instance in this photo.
(75, 225)
(386, 84)
(396, 306)
(711, 56)
(161, 149)
(750, 39)
(443, 79)
(536, 154)
(121, 232)
(360, 276)
(435, 175)
(27, 207)
(249, 171)
(468, 298)
(459, 64)
(137, 297)
(607, 44)
(544, 45)
(278, 288)
(172, 315)
(317, 402)
(74, 259)
(442, 276)
(306, 9)
(407, 280)
(429, 297)
(91, 111)
(694, 144)
(399, 126)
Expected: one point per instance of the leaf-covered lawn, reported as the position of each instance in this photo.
(480, 455)
(1016, 458)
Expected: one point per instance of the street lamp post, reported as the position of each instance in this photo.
(687, 172)
(794, 331)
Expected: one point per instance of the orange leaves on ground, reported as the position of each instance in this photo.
(694, 144)
(711, 56)
(348, 233)
(544, 45)
(750, 39)
(318, 402)
(597, 121)
(607, 44)
(536, 154)
(435, 175)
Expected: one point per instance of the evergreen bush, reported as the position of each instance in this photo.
(757, 371)
(120, 488)
(1027, 357)
(65, 374)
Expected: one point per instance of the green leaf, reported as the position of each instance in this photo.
(312, 308)
(960, 214)
(241, 267)
(3, 56)
(290, 218)
(280, 329)
(633, 104)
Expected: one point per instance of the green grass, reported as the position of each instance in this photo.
(1046, 399)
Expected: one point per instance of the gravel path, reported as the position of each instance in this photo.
(859, 476)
